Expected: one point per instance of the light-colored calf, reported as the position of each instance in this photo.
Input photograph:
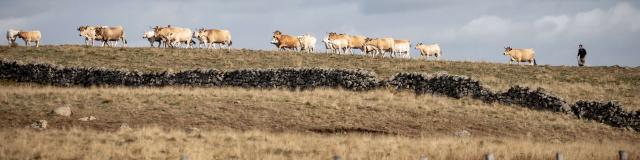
(307, 42)
(429, 50)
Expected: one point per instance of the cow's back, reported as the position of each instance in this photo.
(357, 41)
(386, 43)
(30, 35)
(289, 41)
(523, 54)
(218, 35)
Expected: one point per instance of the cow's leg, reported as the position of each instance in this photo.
(37, 43)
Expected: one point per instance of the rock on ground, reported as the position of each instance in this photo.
(40, 124)
(62, 111)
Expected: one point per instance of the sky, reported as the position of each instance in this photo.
(467, 30)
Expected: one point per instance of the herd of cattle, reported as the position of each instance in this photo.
(177, 37)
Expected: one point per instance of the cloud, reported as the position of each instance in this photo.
(486, 26)
(549, 26)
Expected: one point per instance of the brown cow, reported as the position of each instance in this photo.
(285, 41)
(89, 34)
(214, 36)
(30, 36)
(379, 46)
(111, 34)
(174, 36)
(355, 41)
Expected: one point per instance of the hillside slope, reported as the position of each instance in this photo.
(570, 83)
(241, 123)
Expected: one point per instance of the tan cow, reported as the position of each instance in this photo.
(285, 41)
(152, 38)
(401, 48)
(521, 55)
(429, 50)
(89, 33)
(173, 36)
(340, 45)
(30, 36)
(379, 46)
(214, 36)
(111, 34)
(355, 41)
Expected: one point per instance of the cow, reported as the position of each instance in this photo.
(355, 41)
(328, 46)
(401, 48)
(173, 36)
(11, 36)
(429, 50)
(111, 34)
(285, 41)
(28, 37)
(520, 55)
(379, 46)
(307, 42)
(151, 36)
(214, 36)
(338, 45)
(89, 33)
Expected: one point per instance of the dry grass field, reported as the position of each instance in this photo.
(571, 83)
(238, 123)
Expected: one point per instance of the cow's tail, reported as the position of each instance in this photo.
(534, 62)
(230, 43)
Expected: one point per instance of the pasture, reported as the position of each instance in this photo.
(240, 123)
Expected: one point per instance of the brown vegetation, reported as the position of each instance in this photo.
(571, 83)
(239, 123)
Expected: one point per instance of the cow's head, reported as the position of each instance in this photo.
(274, 40)
(99, 29)
(419, 44)
(12, 34)
(277, 32)
(149, 34)
(507, 50)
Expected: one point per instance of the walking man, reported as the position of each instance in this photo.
(582, 54)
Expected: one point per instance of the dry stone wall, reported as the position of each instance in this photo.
(307, 78)
(537, 99)
(608, 112)
(454, 86)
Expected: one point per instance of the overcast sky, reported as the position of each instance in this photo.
(465, 29)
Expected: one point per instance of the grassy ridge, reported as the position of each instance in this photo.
(571, 83)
